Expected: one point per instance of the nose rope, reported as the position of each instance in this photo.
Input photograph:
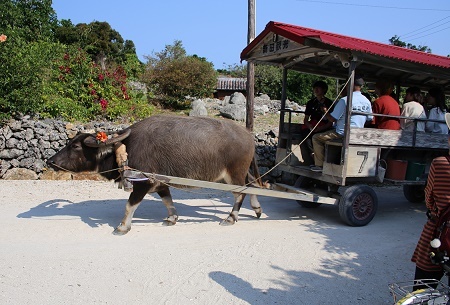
(72, 172)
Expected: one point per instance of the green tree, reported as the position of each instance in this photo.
(133, 67)
(234, 71)
(268, 80)
(31, 20)
(104, 44)
(22, 76)
(299, 86)
(395, 40)
(170, 53)
(67, 33)
(25, 54)
(175, 76)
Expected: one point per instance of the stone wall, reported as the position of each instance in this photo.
(26, 144)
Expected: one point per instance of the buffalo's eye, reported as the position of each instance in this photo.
(76, 146)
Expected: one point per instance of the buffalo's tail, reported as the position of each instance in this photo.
(255, 178)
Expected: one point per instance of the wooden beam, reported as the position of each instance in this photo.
(294, 193)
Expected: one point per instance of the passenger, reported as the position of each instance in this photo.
(436, 100)
(314, 114)
(338, 115)
(385, 104)
(437, 199)
(412, 107)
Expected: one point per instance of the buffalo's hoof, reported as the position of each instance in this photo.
(229, 221)
(121, 230)
(258, 212)
(171, 220)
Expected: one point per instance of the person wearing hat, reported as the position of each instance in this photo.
(437, 200)
(314, 121)
(337, 116)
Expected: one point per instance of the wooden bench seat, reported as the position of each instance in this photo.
(394, 138)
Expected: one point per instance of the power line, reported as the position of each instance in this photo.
(378, 6)
(430, 33)
(427, 30)
(406, 34)
(423, 28)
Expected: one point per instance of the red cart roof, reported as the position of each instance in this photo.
(298, 34)
(301, 48)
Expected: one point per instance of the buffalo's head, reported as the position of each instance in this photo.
(85, 152)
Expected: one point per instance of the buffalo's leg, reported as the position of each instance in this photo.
(166, 198)
(233, 217)
(255, 205)
(135, 199)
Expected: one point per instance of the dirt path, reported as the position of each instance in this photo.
(56, 247)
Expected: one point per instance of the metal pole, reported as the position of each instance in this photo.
(346, 139)
(250, 86)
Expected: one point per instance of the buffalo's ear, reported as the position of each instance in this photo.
(91, 140)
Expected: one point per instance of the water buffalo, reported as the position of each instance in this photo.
(198, 148)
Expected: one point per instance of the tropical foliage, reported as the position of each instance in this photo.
(57, 69)
(176, 77)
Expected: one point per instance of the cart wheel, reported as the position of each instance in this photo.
(414, 193)
(306, 183)
(358, 205)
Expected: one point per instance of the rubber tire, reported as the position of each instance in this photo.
(358, 205)
(306, 183)
(414, 193)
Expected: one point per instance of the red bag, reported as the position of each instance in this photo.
(443, 234)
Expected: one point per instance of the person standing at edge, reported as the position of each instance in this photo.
(385, 104)
(437, 200)
(436, 100)
(338, 115)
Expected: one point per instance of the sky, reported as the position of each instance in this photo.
(217, 29)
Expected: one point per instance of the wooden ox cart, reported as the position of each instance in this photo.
(361, 158)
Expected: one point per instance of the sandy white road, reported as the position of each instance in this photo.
(56, 247)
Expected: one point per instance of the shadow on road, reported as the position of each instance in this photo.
(100, 212)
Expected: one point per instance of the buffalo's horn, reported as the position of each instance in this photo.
(92, 141)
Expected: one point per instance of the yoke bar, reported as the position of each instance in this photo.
(297, 194)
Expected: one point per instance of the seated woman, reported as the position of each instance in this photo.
(385, 104)
(412, 107)
(436, 101)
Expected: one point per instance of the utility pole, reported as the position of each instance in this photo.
(250, 88)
